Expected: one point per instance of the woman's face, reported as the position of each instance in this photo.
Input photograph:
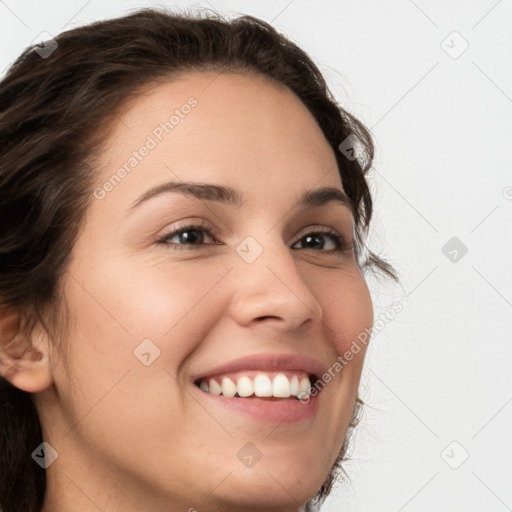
(252, 291)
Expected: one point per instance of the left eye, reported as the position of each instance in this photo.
(316, 241)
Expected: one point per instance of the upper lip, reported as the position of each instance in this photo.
(267, 362)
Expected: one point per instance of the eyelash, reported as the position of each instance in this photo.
(341, 245)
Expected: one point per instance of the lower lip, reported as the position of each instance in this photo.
(277, 410)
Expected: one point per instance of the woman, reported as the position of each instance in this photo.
(182, 270)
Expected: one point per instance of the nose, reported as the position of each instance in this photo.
(271, 290)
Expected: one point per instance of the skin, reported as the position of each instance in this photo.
(131, 437)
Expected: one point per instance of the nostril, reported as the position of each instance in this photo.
(266, 317)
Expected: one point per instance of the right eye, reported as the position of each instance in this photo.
(188, 237)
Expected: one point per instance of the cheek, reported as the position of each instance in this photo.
(173, 305)
(166, 303)
(119, 308)
(348, 311)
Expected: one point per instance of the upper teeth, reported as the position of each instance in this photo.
(260, 384)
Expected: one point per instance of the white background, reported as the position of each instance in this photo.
(441, 370)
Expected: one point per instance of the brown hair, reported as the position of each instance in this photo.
(54, 112)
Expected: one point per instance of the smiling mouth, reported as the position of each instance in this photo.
(265, 385)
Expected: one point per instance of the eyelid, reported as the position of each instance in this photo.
(324, 229)
(319, 228)
(202, 224)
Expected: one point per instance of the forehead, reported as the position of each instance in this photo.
(246, 131)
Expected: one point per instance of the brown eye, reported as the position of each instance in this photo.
(324, 241)
(187, 236)
(192, 237)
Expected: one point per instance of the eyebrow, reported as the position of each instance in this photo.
(228, 195)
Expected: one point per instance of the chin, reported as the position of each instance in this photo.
(265, 494)
(281, 485)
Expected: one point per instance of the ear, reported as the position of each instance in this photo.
(23, 364)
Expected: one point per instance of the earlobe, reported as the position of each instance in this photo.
(21, 363)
